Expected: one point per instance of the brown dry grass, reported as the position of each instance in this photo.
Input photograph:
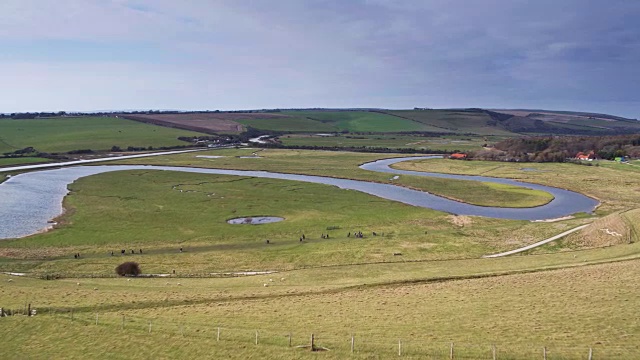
(607, 231)
(546, 115)
(460, 220)
(207, 122)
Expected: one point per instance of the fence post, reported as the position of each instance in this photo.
(96, 318)
(218, 338)
(353, 342)
(256, 337)
(451, 352)
(289, 339)
(590, 353)
(493, 350)
(399, 348)
(312, 342)
(149, 326)
(544, 352)
(29, 310)
(71, 314)
(181, 330)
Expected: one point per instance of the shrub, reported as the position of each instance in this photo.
(128, 268)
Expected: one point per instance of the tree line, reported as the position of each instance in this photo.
(560, 148)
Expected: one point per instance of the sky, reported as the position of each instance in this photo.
(88, 55)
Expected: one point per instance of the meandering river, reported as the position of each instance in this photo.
(29, 201)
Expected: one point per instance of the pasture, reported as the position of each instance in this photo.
(455, 121)
(26, 160)
(78, 133)
(345, 165)
(615, 185)
(419, 281)
(450, 143)
(362, 121)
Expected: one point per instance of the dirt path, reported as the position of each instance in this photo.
(539, 243)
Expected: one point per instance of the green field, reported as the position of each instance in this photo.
(22, 161)
(449, 143)
(456, 121)
(611, 184)
(161, 211)
(338, 121)
(420, 281)
(345, 165)
(361, 121)
(77, 133)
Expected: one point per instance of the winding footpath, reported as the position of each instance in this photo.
(31, 200)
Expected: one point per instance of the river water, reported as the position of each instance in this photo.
(29, 201)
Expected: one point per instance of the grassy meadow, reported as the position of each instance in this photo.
(455, 121)
(161, 211)
(26, 160)
(77, 133)
(615, 185)
(345, 165)
(420, 280)
(396, 141)
(362, 121)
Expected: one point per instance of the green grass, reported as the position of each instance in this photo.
(362, 121)
(345, 165)
(461, 122)
(611, 184)
(395, 141)
(519, 313)
(146, 210)
(481, 193)
(95, 133)
(22, 161)
(437, 292)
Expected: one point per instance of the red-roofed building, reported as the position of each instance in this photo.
(582, 156)
(458, 156)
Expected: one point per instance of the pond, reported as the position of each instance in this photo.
(255, 220)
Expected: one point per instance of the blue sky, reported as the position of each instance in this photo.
(165, 54)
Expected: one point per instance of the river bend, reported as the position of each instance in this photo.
(29, 201)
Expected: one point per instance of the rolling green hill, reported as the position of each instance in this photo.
(363, 121)
(63, 134)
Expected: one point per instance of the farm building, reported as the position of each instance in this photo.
(458, 156)
(589, 157)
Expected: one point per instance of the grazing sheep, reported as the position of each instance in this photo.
(265, 284)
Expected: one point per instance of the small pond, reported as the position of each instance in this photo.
(255, 220)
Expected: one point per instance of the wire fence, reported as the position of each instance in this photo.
(345, 343)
